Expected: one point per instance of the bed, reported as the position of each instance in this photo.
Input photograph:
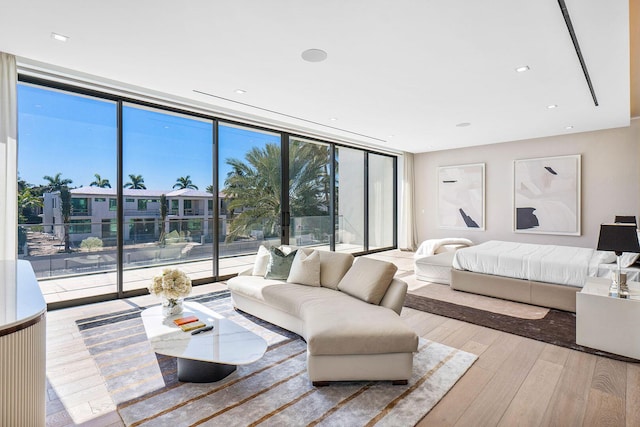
(545, 275)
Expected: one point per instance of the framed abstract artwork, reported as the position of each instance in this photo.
(546, 196)
(461, 197)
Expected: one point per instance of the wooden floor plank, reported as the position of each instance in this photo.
(568, 402)
(461, 336)
(496, 396)
(441, 332)
(610, 376)
(633, 395)
(604, 409)
(450, 408)
(530, 403)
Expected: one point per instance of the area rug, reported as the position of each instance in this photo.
(557, 327)
(273, 391)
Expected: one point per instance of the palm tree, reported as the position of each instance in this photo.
(55, 182)
(136, 183)
(163, 218)
(209, 189)
(100, 182)
(185, 182)
(254, 185)
(65, 208)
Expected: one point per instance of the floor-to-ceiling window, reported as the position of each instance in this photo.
(167, 162)
(309, 193)
(381, 189)
(112, 190)
(67, 154)
(350, 199)
(249, 179)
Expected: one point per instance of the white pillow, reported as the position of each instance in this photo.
(628, 259)
(605, 257)
(261, 263)
(305, 269)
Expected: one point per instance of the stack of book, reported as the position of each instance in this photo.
(189, 323)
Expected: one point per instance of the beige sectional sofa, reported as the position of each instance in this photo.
(350, 319)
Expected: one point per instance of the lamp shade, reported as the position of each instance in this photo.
(618, 238)
(626, 219)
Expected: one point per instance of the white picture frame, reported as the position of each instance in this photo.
(461, 197)
(547, 195)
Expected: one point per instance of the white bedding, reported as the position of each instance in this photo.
(430, 247)
(565, 265)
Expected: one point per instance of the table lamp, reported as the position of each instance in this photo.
(618, 238)
(626, 219)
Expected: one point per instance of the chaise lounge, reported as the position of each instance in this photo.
(347, 312)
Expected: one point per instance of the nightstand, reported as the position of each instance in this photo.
(607, 323)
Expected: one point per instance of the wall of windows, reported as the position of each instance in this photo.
(113, 190)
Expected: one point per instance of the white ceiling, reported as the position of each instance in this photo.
(410, 68)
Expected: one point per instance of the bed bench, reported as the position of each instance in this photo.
(549, 295)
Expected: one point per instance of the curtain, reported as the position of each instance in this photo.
(407, 234)
(8, 185)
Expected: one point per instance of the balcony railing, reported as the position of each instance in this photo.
(81, 212)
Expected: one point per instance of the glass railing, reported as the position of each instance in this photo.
(310, 230)
(85, 264)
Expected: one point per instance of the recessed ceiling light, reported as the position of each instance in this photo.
(552, 106)
(314, 55)
(240, 91)
(391, 136)
(523, 69)
(568, 127)
(59, 37)
(333, 119)
(463, 125)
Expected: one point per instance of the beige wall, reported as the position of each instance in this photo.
(610, 183)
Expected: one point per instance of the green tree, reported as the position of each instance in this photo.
(209, 189)
(254, 186)
(185, 182)
(100, 182)
(56, 182)
(65, 208)
(136, 182)
(91, 243)
(27, 201)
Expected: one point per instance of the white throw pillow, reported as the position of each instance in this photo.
(628, 259)
(305, 269)
(262, 260)
(604, 257)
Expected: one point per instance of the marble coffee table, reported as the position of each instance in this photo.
(208, 356)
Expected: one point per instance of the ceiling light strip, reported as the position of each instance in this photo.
(288, 115)
(574, 39)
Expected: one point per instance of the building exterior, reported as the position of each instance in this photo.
(94, 213)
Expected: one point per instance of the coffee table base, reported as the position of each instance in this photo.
(197, 371)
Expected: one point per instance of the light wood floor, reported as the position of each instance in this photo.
(515, 381)
(521, 382)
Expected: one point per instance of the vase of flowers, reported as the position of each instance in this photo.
(172, 285)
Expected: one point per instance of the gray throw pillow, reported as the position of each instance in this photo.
(368, 279)
(279, 264)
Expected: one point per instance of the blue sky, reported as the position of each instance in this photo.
(77, 136)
